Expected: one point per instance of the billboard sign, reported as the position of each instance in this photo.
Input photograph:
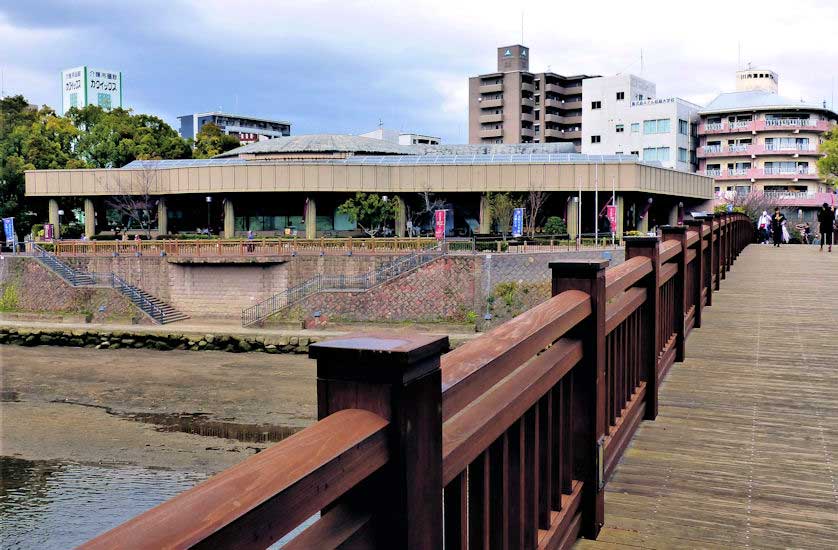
(82, 86)
(517, 222)
(611, 214)
(439, 224)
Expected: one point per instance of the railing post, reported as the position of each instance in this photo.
(679, 233)
(648, 247)
(718, 249)
(589, 414)
(698, 287)
(397, 377)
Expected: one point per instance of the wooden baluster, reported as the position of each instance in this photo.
(398, 378)
(648, 247)
(479, 498)
(531, 478)
(545, 452)
(456, 518)
(567, 408)
(590, 417)
(679, 233)
(699, 276)
(499, 493)
(515, 486)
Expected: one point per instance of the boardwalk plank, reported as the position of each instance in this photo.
(744, 452)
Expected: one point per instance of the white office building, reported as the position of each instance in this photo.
(402, 138)
(623, 115)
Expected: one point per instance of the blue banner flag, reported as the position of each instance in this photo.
(517, 222)
(9, 229)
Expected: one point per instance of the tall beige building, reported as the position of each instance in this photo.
(514, 105)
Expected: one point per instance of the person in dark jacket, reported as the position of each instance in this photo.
(826, 217)
(777, 221)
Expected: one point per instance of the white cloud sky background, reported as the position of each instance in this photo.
(341, 66)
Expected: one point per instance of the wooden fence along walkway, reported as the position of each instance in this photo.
(240, 247)
(506, 442)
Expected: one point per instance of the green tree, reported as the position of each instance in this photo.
(502, 206)
(112, 139)
(828, 165)
(211, 141)
(370, 211)
(30, 138)
(555, 226)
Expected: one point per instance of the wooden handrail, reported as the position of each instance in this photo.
(668, 250)
(474, 428)
(520, 428)
(621, 277)
(474, 367)
(255, 503)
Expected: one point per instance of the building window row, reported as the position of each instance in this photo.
(657, 126)
(596, 105)
(596, 139)
(652, 154)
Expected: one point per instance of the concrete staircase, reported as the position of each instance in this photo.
(159, 311)
(337, 283)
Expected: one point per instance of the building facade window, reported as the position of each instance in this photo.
(652, 154)
(683, 127)
(657, 126)
(596, 139)
(635, 127)
(596, 104)
(619, 128)
(621, 96)
(683, 155)
(635, 153)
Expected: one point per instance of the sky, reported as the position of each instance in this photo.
(343, 66)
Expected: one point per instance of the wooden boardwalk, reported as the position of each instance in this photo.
(744, 452)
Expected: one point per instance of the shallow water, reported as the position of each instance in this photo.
(57, 505)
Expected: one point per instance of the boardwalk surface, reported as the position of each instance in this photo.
(744, 453)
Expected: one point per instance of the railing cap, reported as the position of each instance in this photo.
(383, 357)
(695, 222)
(578, 267)
(641, 241)
(673, 229)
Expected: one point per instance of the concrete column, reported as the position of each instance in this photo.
(53, 217)
(673, 215)
(162, 217)
(229, 219)
(643, 223)
(89, 218)
(485, 215)
(401, 217)
(311, 219)
(572, 217)
(621, 216)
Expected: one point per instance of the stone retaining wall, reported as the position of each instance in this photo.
(159, 341)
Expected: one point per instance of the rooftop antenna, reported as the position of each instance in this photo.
(739, 56)
(522, 27)
(380, 123)
(641, 60)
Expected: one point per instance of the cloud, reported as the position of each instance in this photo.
(330, 66)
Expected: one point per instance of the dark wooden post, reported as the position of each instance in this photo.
(398, 378)
(727, 243)
(708, 265)
(718, 265)
(589, 418)
(679, 233)
(700, 281)
(648, 247)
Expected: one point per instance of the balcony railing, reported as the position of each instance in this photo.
(764, 125)
(761, 173)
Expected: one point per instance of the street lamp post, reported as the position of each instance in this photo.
(209, 202)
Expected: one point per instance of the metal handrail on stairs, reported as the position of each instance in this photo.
(92, 278)
(319, 283)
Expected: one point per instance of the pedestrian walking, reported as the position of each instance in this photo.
(826, 218)
(764, 226)
(777, 221)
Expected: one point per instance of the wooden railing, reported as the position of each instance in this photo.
(506, 442)
(240, 247)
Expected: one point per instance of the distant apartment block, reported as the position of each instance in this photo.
(622, 115)
(248, 129)
(514, 105)
(755, 139)
(402, 138)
